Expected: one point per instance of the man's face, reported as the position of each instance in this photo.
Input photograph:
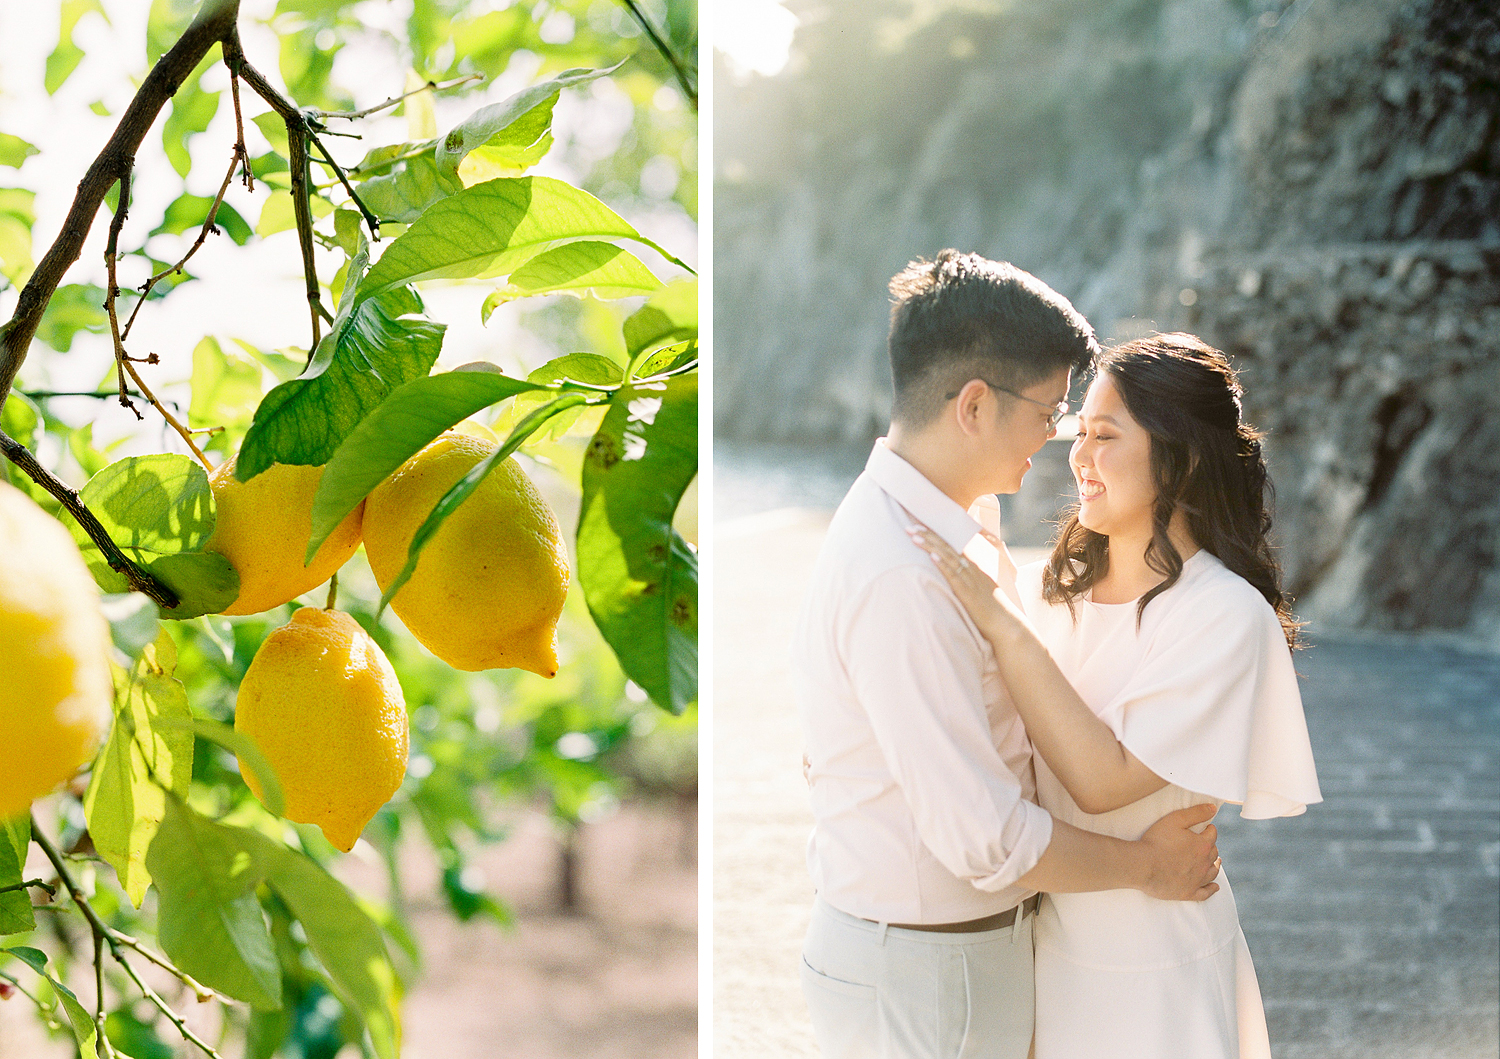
(1022, 424)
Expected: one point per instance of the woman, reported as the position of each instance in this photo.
(1162, 608)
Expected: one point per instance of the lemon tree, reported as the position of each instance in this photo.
(487, 376)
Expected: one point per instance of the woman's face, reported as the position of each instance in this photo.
(1111, 462)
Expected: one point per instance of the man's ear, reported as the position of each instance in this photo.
(969, 405)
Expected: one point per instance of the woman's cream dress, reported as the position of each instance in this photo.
(1205, 695)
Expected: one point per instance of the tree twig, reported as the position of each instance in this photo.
(51, 890)
(208, 226)
(369, 217)
(297, 133)
(39, 394)
(140, 580)
(172, 421)
(112, 286)
(350, 115)
(684, 79)
(115, 940)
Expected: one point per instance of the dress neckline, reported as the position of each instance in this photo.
(1088, 597)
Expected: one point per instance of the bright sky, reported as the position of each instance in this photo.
(755, 35)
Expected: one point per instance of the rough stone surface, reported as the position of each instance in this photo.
(1314, 186)
(1373, 919)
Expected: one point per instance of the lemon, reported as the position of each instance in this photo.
(55, 688)
(323, 704)
(489, 586)
(263, 528)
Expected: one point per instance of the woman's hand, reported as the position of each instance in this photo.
(992, 610)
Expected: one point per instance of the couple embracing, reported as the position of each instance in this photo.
(1012, 773)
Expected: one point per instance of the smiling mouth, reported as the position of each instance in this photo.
(1090, 490)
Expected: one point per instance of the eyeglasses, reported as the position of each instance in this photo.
(1058, 410)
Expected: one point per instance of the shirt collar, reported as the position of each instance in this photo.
(911, 489)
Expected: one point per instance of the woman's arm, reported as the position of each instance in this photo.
(1081, 750)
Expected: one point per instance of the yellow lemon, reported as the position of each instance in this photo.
(263, 528)
(55, 688)
(489, 587)
(323, 704)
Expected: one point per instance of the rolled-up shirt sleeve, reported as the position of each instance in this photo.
(916, 664)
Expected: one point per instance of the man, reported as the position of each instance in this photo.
(928, 850)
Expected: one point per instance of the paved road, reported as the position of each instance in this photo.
(1374, 919)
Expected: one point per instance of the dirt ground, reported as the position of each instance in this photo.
(617, 980)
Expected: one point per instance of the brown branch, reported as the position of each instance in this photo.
(112, 288)
(140, 580)
(186, 434)
(214, 21)
(297, 134)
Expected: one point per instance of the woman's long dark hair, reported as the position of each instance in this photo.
(1205, 461)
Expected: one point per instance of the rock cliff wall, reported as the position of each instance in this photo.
(1314, 187)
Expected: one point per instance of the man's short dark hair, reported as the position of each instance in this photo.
(963, 317)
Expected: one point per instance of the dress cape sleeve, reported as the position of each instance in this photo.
(1214, 705)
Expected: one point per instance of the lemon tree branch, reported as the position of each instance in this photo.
(140, 580)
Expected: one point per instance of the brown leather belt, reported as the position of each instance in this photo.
(974, 926)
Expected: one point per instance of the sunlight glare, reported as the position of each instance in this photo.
(755, 35)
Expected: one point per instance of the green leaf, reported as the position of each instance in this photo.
(160, 510)
(14, 151)
(74, 307)
(575, 367)
(36, 959)
(507, 133)
(344, 938)
(670, 315)
(492, 229)
(273, 127)
(84, 1029)
(142, 759)
(600, 269)
(208, 919)
(374, 347)
(410, 417)
(226, 389)
(67, 55)
(188, 212)
(15, 906)
(668, 359)
(81, 1020)
(279, 214)
(192, 111)
(412, 185)
(153, 505)
(15, 249)
(465, 486)
(639, 576)
(165, 24)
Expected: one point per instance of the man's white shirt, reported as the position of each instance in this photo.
(921, 776)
